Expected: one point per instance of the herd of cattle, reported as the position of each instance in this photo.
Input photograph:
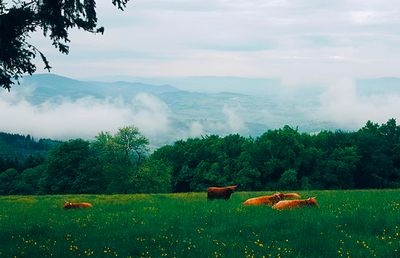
(277, 200)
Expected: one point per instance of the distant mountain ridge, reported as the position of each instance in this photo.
(50, 85)
(251, 86)
(47, 86)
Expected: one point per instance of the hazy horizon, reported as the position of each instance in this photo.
(301, 42)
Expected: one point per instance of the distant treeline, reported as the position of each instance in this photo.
(277, 160)
(21, 152)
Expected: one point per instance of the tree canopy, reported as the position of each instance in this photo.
(55, 18)
(280, 159)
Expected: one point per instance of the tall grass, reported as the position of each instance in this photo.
(347, 224)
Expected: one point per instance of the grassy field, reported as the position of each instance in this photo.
(347, 224)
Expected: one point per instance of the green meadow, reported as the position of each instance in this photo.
(347, 224)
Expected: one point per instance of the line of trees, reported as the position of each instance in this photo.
(286, 159)
(280, 159)
(110, 164)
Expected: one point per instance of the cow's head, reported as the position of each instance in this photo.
(277, 197)
(67, 205)
(312, 202)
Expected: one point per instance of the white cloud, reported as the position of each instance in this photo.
(230, 123)
(363, 17)
(374, 17)
(83, 118)
(150, 115)
(234, 122)
(341, 104)
(196, 129)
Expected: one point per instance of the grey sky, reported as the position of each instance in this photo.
(296, 41)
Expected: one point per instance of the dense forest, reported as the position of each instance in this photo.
(22, 152)
(279, 159)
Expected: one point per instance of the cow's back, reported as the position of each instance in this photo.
(287, 204)
(218, 193)
(262, 200)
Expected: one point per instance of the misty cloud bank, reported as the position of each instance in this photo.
(231, 122)
(62, 118)
(342, 104)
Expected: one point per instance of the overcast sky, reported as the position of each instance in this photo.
(297, 41)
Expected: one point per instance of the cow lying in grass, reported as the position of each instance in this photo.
(270, 199)
(291, 204)
(71, 205)
(221, 192)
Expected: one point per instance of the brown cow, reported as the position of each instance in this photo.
(291, 204)
(221, 192)
(71, 205)
(270, 199)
